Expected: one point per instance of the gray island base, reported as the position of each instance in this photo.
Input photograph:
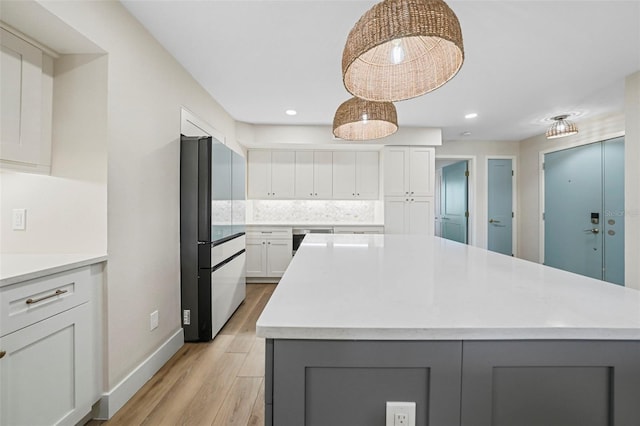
(347, 332)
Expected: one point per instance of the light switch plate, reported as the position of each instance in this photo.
(19, 219)
(401, 413)
(153, 321)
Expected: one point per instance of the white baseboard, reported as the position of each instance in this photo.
(115, 399)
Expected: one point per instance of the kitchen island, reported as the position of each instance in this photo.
(472, 337)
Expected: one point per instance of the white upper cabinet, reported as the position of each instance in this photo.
(356, 175)
(409, 171)
(271, 174)
(314, 175)
(26, 87)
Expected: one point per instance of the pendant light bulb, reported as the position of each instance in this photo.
(397, 51)
(365, 117)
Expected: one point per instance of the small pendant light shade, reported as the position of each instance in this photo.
(561, 128)
(358, 119)
(401, 49)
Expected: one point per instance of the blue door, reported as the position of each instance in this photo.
(613, 224)
(453, 199)
(500, 210)
(584, 188)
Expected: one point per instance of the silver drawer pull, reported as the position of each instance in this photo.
(57, 293)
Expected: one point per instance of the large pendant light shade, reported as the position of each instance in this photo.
(358, 119)
(401, 49)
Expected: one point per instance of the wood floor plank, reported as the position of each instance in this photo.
(172, 406)
(257, 413)
(253, 294)
(245, 335)
(219, 382)
(210, 397)
(177, 369)
(254, 362)
(236, 409)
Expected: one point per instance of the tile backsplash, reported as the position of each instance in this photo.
(314, 211)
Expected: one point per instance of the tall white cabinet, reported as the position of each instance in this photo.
(409, 174)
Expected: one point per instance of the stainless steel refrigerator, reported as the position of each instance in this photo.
(212, 238)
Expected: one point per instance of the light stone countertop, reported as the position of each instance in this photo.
(312, 224)
(394, 287)
(15, 268)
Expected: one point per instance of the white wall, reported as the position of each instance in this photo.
(631, 180)
(66, 211)
(478, 152)
(266, 136)
(146, 89)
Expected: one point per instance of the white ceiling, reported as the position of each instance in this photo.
(525, 61)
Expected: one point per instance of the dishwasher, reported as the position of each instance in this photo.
(299, 233)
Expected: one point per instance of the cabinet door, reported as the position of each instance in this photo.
(279, 253)
(259, 174)
(344, 175)
(396, 167)
(256, 259)
(420, 216)
(283, 174)
(323, 174)
(46, 373)
(367, 175)
(394, 215)
(21, 86)
(421, 172)
(304, 186)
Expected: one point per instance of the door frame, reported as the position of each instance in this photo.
(472, 189)
(514, 198)
(541, 180)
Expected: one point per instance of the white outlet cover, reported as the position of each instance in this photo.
(19, 219)
(153, 320)
(406, 408)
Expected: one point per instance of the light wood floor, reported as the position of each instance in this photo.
(215, 383)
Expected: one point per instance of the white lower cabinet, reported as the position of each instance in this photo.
(269, 252)
(404, 215)
(48, 371)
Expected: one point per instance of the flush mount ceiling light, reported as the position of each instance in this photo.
(561, 127)
(358, 119)
(401, 49)
(291, 112)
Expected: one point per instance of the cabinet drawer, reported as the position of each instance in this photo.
(31, 301)
(227, 249)
(270, 232)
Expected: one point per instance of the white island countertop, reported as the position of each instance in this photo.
(395, 287)
(15, 268)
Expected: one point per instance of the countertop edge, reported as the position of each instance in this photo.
(553, 333)
(53, 269)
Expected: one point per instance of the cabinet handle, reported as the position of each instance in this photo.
(311, 194)
(2, 354)
(269, 243)
(57, 293)
(316, 194)
(263, 242)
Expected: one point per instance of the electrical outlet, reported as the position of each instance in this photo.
(186, 317)
(19, 219)
(153, 321)
(401, 419)
(401, 414)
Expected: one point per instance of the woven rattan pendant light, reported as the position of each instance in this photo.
(401, 49)
(358, 119)
(561, 127)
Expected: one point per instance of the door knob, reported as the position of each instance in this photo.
(593, 231)
(493, 221)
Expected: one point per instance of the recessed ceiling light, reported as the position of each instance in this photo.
(291, 112)
(471, 115)
(466, 133)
